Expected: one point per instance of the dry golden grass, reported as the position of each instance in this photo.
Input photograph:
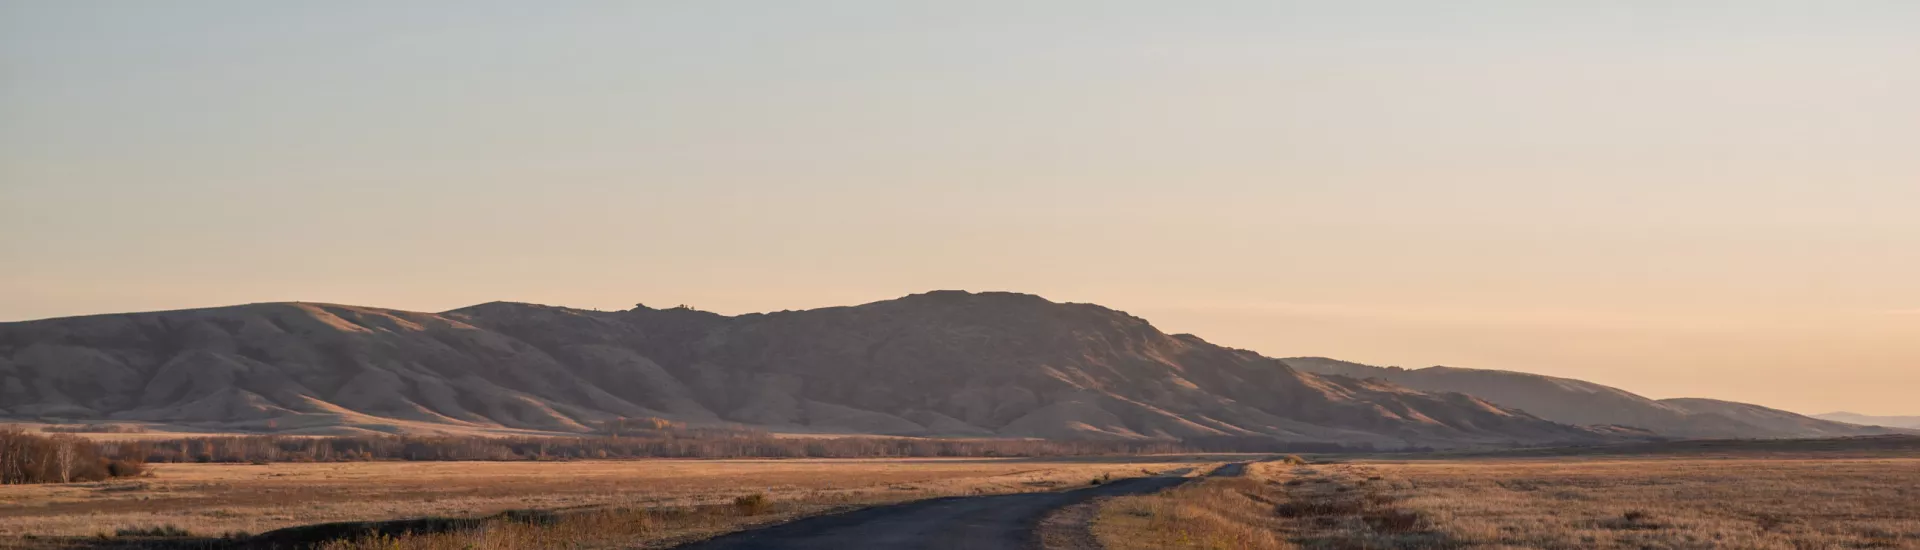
(1571, 503)
(1742, 503)
(601, 528)
(212, 499)
(1224, 513)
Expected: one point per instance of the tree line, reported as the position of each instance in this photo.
(32, 458)
(26, 457)
(666, 444)
(272, 448)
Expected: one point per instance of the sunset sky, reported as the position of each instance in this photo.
(1707, 199)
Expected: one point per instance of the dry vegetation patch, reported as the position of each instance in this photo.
(1785, 504)
(1275, 505)
(1215, 512)
(1341, 506)
(1578, 503)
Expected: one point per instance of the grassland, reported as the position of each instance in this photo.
(1554, 503)
(1214, 512)
(1751, 503)
(1751, 498)
(657, 501)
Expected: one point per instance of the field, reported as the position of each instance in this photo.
(1571, 502)
(1236, 512)
(1673, 497)
(215, 499)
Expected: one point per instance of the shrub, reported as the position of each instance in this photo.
(1633, 520)
(1394, 521)
(168, 530)
(1317, 508)
(752, 505)
(121, 467)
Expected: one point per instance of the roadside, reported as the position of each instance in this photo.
(1071, 527)
(1559, 502)
(1229, 509)
(1268, 505)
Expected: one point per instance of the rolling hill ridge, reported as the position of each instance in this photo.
(1585, 403)
(946, 363)
(1908, 422)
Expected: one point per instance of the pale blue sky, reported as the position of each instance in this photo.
(1680, 198)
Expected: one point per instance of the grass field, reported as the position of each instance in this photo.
(215, 499)
(1440, 502)
(1215, 512)
(1759, 504)
(1562, 503)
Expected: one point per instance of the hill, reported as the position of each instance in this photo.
(1585, 403)
(945, 363)
(1872, 446)
(1783, 423)
(1909, 422)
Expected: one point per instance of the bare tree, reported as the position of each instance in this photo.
(63, 459)
(18, 452)
(9, 460)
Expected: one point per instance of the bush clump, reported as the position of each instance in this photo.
(752, 505)
(122, 467)
(168, 530)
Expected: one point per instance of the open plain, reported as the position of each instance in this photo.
(1555, 503)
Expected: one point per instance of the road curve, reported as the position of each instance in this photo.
(999, 522)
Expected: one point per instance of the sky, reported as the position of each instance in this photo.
(1708, 199)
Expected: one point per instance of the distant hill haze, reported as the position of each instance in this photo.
(1586, 403)
(1910, 422)
(945, 363)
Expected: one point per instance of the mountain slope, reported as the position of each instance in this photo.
(941, 363)
(1783, 423)
(1586, 403)
(1908, 422)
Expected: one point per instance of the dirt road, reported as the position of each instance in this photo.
(1001, 522)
